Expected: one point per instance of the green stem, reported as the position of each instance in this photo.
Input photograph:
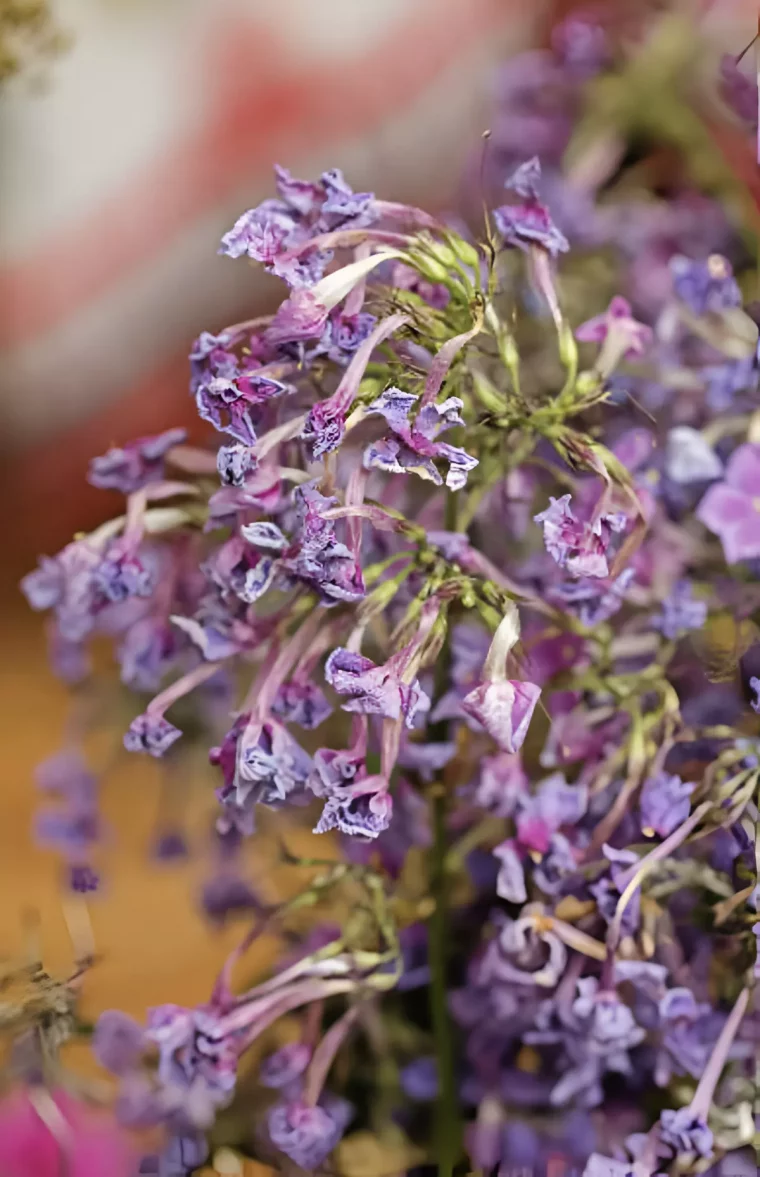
(448, 1128)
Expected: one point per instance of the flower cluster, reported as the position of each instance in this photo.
(468, 571)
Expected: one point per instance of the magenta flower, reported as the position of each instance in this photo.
(580, 546)
(731, 509)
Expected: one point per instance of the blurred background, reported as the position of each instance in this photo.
(132, 136)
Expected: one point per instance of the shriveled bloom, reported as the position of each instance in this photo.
(731, 509)
(579, 545)
(503, 706)
(375, 690)
(413, 443)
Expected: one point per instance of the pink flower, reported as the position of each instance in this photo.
(731, 509)
(45, 1134)
(632, 337)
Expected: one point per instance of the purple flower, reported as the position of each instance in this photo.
(580, 546)
(75, 827)
(260, 233)
(147, 651)
(226, 894)
(239, 570)
(226, 401)
(738, 91)
(342, 336)
(118, 1042)
(128, 468)
(690, 458)
(594, 601)
(731, 509)
(580, 43)
(607, 891)
(305, 1134)
(363, 811)
(342, 205)
(413, 445)
(419, 1079)
(374, 690)
(285, 1066)
(336, 773)
(681, 1132)
(705, 286)
(681, 612)
(270, 766)
(599, 1166)
(553, 805)
(121, 575)
(233, 463)
(529, 224)
(302, 703)
(664, 804)
(502, 782)
(505, 710)
(754, 683)
(151, 733)
(65, 584)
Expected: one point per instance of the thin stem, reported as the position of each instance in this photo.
(448, 1131)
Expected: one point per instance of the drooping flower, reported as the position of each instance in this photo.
(503, 706)
(731, 509)
(364, 811)
(580, 546)
(413, 444)
(375, 690)
(307, 1134)
(151, 733)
